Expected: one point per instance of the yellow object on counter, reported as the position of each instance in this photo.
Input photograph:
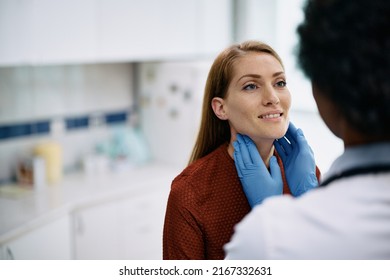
(51, 152)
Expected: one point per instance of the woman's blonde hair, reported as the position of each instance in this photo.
(213, 131)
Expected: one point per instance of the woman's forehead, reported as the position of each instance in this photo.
(256, 62)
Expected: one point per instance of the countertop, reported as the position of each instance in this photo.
(35, 208)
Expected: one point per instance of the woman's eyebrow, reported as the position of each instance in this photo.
(250, 76)
(278, 74)
(259, 76)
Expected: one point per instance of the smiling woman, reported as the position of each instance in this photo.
(245, 93)
(257, 101)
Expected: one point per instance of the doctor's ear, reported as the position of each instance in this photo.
(218, 104)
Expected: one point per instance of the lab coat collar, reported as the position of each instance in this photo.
(359, 157)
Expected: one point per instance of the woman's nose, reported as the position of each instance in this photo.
(270, 97)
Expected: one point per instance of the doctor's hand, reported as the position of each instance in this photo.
(258, 183)
(298, 161)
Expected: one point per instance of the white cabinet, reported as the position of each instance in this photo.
(153, 29)
(62, 31)
(50, 241)
(97, 233)
(78, 31)
(126, 228)
(46, 31)
(143, 220)
(15, 24)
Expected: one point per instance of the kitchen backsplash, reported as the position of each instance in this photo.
(75, 105)
(43, 127)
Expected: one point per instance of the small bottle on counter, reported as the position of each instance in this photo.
(39, 173)
(51, 152)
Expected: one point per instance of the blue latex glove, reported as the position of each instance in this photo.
(298, 161)
(258, 183)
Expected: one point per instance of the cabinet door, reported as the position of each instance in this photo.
(143, 219)
(15, 31)
(46, 31)
(74, 31)
(155, 29)
(49, 242)
(97, 232)
(63, 31)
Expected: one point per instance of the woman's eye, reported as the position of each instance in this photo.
(250, 87)
(281, 84)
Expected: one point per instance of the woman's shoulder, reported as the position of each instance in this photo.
(217, 158)
(202, 170)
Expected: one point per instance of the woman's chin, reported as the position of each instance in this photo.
(277, 133)
(265, 134)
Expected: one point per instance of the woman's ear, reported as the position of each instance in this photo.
(217, 104)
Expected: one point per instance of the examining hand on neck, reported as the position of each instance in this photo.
(265, 148)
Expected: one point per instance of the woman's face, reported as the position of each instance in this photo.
(258, 101)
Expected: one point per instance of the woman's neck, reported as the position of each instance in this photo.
(265, 149)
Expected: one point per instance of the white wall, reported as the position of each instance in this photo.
(171, 96)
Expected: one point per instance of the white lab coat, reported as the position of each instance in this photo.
(348, 219)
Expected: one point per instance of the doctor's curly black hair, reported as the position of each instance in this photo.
(345, 51)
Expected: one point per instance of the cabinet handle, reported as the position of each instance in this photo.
(10, 255)
(79, 224)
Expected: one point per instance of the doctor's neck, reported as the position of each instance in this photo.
(351, 137)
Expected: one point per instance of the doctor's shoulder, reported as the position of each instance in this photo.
(282, 226)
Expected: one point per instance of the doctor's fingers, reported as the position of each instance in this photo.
(302, 142)
(283, 147)
(292, 134)
(241, 153)
(252, 152)
(287, 145)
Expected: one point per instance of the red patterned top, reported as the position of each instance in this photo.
(205, 202)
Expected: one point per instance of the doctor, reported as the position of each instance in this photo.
(345, 51)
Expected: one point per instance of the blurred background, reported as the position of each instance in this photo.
(100, 102)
